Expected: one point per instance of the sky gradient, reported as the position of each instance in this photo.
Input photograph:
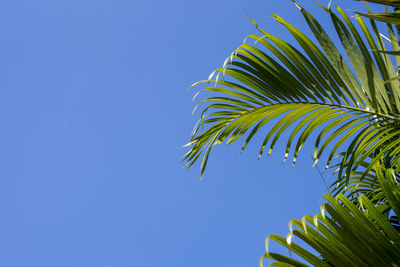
(94, 109)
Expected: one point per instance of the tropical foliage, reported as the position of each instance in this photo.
(307, 89)
(348, 103)
(344, 234)
(388, 17)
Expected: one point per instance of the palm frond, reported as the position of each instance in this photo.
(313, 90)
(392, 18)
(393, 3)
(344, 234)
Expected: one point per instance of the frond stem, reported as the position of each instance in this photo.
(341, 106)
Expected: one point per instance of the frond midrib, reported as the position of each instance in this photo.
(334, 105)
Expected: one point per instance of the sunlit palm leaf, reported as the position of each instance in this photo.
(367, 184)
(312, 91)
(345, 235)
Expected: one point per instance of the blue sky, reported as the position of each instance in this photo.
(94, 113)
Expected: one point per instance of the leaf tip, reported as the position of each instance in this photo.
(297, 5)
(252, 20)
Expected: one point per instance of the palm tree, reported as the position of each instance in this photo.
(352, 105)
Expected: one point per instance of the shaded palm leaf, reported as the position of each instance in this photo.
(392, 18)
(394, 3)
(313, 91)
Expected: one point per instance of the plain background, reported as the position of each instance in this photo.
(94, 112)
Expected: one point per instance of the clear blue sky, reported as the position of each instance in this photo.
(94, 111)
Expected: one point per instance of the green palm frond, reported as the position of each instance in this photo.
(314, 90)
(392, 18)
(344, 234)
(393, 3)
(367, 184)
(388, 17)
